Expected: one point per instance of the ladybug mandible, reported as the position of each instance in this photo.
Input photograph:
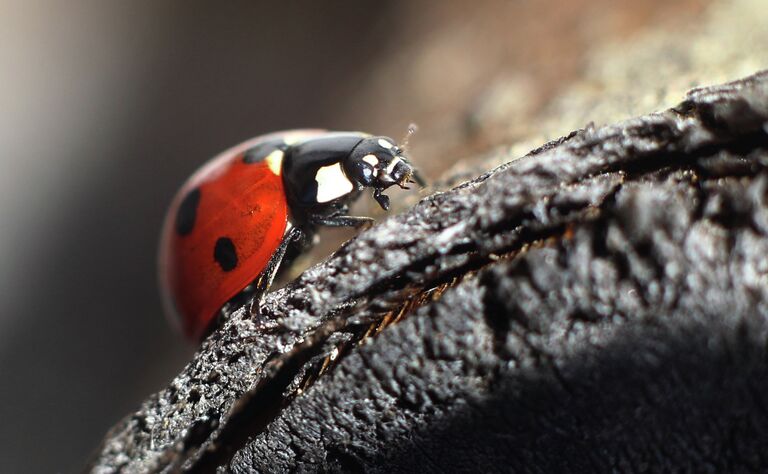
(230, 225)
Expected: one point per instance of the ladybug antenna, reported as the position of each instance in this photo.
(412, 128)
(415, 176)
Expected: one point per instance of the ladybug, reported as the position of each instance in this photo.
(233, 222)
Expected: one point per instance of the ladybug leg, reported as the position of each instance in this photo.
(254, 293)
(338, 217)
(261, 284)
(343, 221)
(382, 199)
(264, 281)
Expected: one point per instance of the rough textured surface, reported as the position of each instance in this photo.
(637, 74)
(597, 305)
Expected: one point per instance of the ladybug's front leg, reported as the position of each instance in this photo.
(338, 216)
(343, 221)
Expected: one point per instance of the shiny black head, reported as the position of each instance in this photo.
(323, 175)
(377, 163)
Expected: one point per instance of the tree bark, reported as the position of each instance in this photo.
(597, 305)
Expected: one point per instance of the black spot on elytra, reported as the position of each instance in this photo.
(225, 254)
(185, 216)
(262, 150)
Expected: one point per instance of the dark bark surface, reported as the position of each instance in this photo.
(597, 305)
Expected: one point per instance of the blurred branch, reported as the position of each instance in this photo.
(595, 305)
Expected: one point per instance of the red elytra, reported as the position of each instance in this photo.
(227, 222)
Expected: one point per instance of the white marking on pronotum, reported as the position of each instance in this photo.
(385, 144)
(275, 161)
(331, 183)
(293, 138)
(393, 163)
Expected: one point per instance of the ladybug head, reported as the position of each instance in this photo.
(376, 162)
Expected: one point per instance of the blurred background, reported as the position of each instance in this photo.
(106, 107)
